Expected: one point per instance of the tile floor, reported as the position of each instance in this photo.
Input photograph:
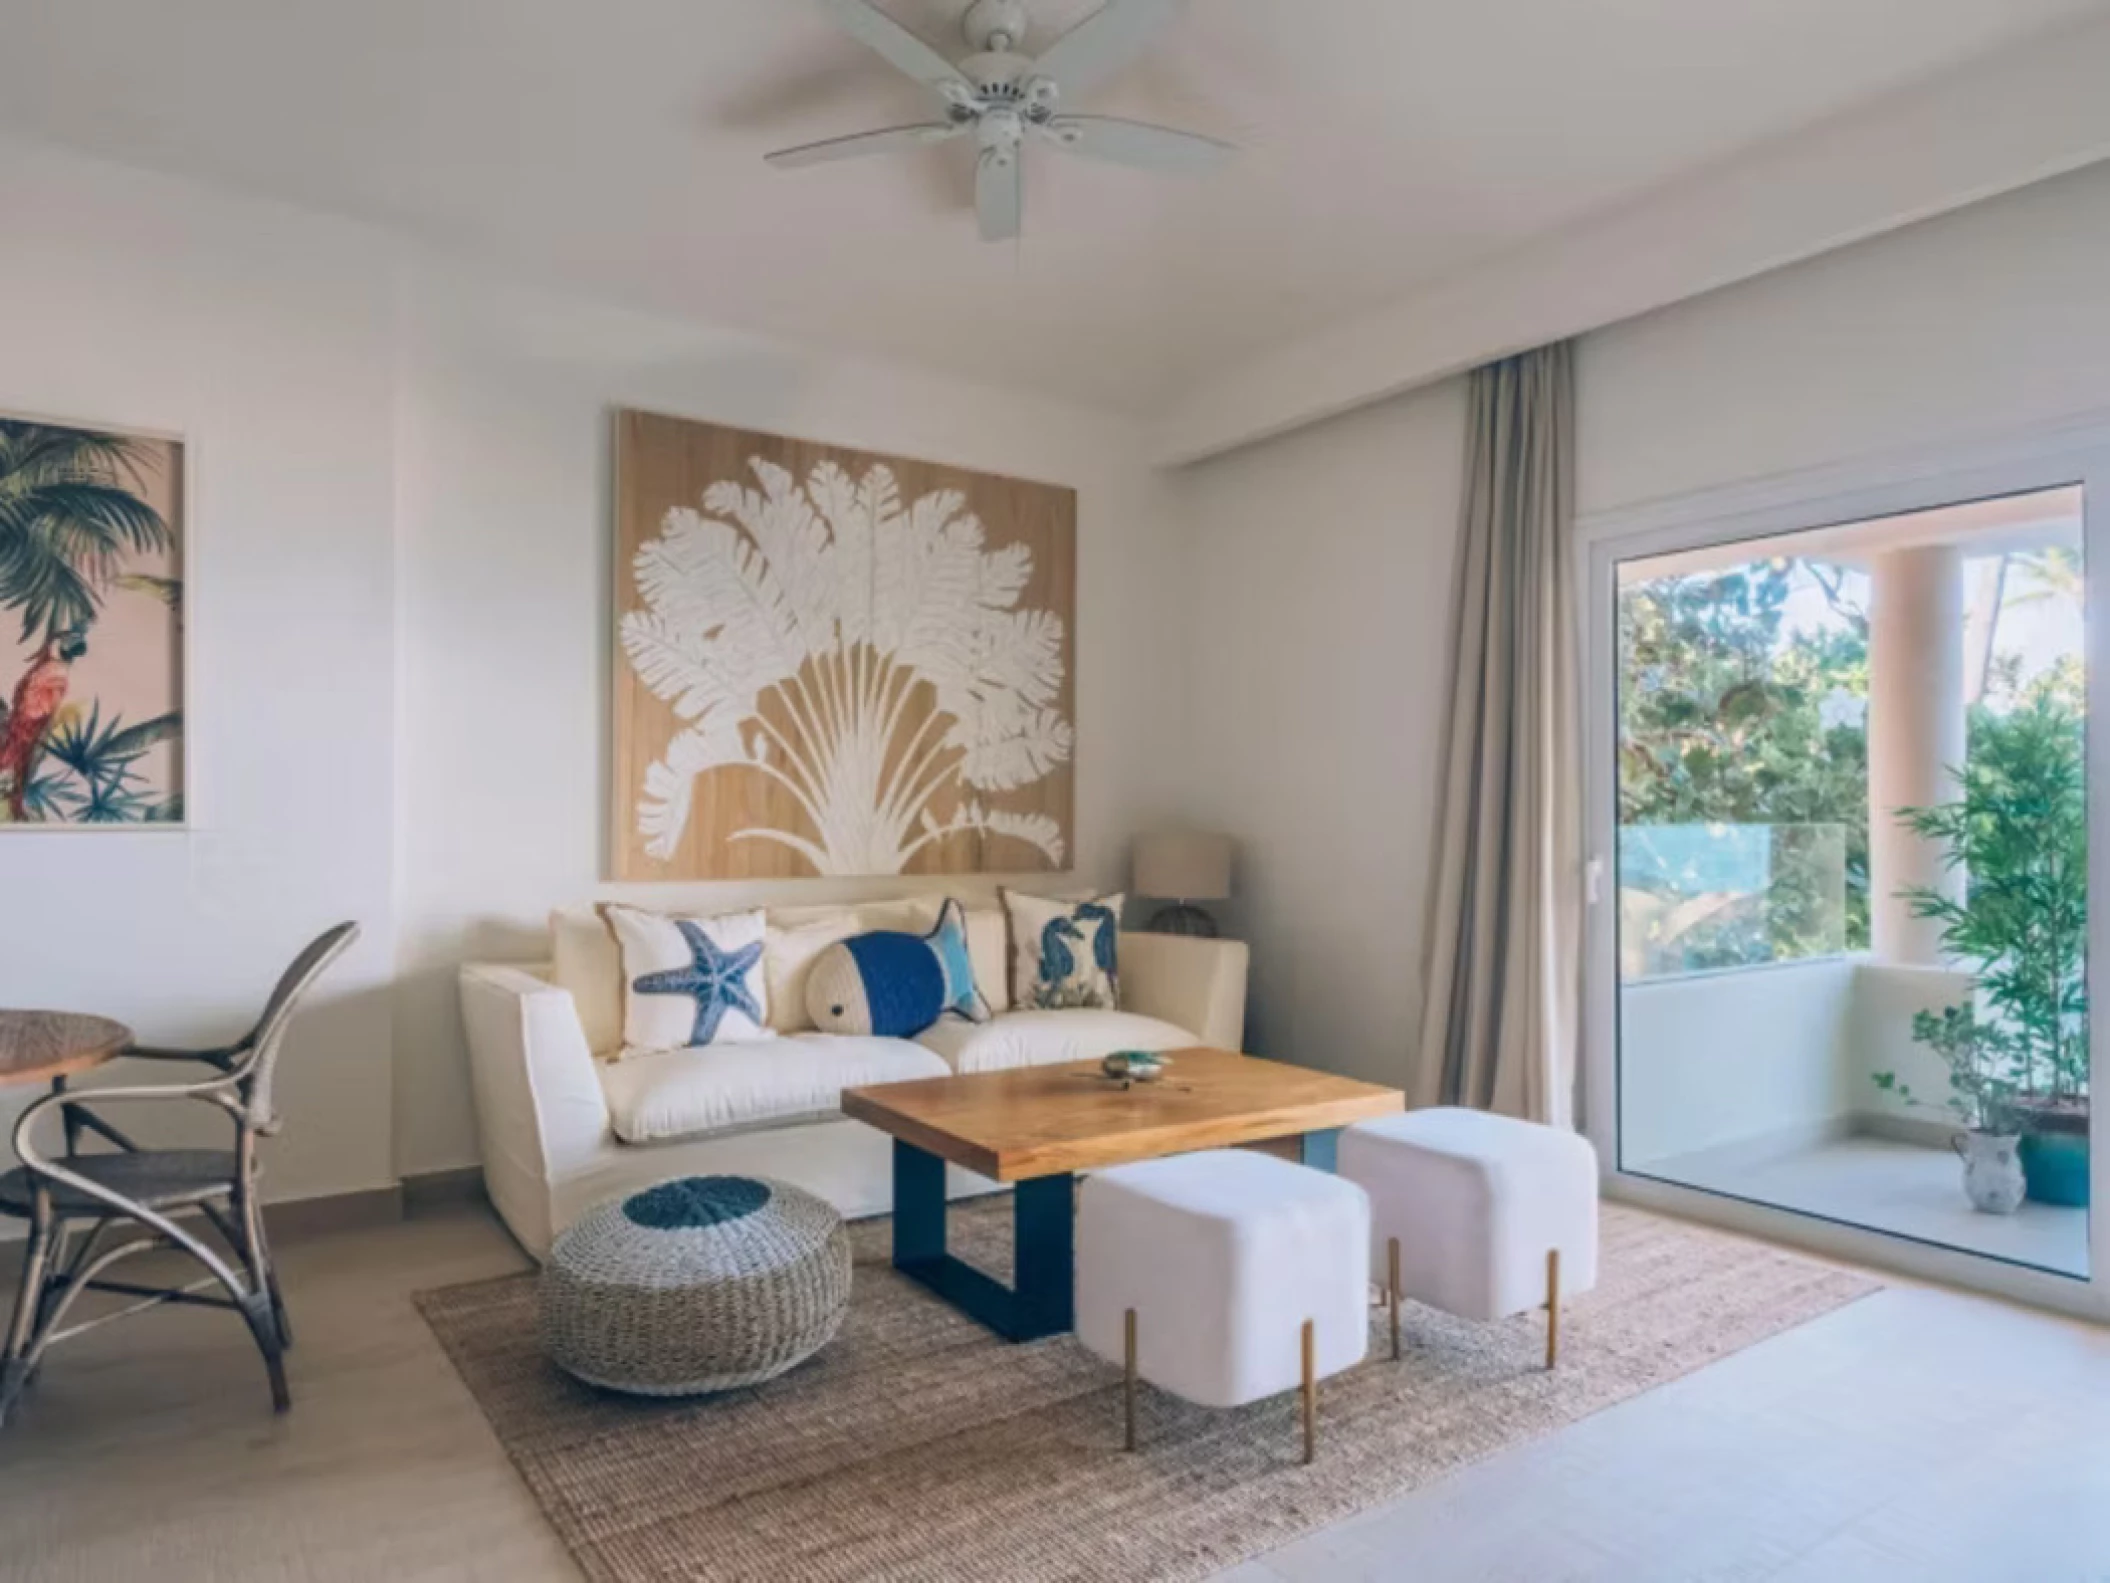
(1919, 1434)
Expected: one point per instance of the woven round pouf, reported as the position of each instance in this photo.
(701, 1284)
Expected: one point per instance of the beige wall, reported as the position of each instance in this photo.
(1318, 579)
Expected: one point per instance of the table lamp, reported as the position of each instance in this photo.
(1183, 867)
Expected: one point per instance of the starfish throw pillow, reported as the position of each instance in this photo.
(690, 981)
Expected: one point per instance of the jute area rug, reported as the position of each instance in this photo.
(917, 1446)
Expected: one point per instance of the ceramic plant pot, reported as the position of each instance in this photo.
(2055, 1151)
(1992, 1171)
(2055, 1165)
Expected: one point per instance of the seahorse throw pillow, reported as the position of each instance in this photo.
(690, 981)
(1063, 953)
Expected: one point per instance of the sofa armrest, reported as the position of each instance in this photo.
(540, 1113)
(1192, 983)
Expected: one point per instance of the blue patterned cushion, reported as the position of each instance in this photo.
(893, 985)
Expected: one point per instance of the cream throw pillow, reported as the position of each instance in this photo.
(988, 944)
(789, 959)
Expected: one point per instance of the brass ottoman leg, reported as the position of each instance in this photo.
(1553, 1307)
(1311, 1397)
(1392, 1291)
(1128, 1382)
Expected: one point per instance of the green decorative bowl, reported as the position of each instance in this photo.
(1134, 1066)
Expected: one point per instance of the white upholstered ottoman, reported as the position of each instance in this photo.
(1480, 1215)
(1224, 1277)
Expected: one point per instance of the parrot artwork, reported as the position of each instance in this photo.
(38, 697)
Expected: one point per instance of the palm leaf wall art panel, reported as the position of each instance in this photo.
(829, 662)
(91, 627)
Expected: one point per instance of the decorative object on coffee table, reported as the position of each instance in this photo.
(1037, 1126)
(1183, 867)
(1135, 1066)
(705, 1283)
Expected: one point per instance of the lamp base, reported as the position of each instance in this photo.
(1183, 918)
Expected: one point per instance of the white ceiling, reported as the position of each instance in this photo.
(616, 145)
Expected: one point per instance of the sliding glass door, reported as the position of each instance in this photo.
(1841, 872)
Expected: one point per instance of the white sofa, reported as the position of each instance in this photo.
(563, 1129)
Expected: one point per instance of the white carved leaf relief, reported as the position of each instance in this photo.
(793, 630)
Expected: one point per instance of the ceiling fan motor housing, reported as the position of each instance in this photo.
(997, 26)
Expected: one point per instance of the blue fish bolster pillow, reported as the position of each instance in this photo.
(890, 985)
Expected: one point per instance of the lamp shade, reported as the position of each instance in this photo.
(1184, 865)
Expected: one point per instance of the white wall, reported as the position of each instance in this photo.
(505, 603)
(1319, 584)
(1981, 322)
(398, 608)
(1879, 1037)
(263, 337)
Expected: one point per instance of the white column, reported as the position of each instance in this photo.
(1915, 736)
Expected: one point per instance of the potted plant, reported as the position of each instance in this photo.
(2017, 1052)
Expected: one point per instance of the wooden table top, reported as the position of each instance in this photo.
(36, 1046)
(1044, 1120)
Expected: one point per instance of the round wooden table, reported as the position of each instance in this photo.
(48, 1046)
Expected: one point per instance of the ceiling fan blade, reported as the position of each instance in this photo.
(1103, 43)
(1139, 144)
(1000, 194)
(873, 27)
(891, 141)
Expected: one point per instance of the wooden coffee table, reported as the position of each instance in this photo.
(1038, 1126)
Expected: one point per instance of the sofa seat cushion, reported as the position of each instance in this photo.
(1041, 1038)
(661, 1094)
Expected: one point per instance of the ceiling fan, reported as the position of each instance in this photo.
(1003, 97)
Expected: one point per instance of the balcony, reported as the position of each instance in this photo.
(1850, 769)
(1759, 1082)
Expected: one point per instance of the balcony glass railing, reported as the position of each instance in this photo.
(1699, 897)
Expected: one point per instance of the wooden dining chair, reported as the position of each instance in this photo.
(104, 1182)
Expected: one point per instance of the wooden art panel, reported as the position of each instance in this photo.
(832, 662)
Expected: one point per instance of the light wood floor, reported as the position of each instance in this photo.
(1916, 1435)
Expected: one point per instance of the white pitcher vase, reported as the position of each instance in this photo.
(1992, 1170)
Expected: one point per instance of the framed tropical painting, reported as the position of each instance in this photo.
(833, 662)
(91, 627)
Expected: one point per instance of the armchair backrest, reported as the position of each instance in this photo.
(258, 1053)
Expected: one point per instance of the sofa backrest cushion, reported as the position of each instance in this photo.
(587, 965)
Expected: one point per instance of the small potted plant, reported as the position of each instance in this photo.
(1981, 1097)
(2017, 1053)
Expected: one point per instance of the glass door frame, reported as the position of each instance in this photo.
(1921, 480)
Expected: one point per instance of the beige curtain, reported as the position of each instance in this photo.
(1501, 969)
